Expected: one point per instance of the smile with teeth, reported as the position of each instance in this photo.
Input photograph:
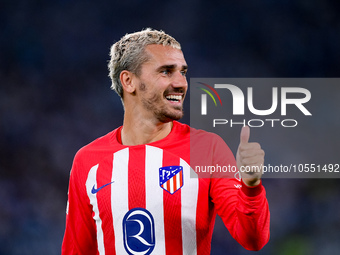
(175, 98)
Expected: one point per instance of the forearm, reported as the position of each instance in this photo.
(245, 213)
(251, 226)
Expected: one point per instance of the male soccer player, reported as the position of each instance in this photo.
(133, 190)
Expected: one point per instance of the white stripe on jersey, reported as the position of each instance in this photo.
(165, 185)
(154, 194)
(119, 195)
(189, 195)
(92, 180)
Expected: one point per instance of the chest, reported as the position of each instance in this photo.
(146, 177)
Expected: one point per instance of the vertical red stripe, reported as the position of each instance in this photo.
(175, 182)
(104, 176)
(136, 175)
(172, 213)
(181, 178)
(168, 185)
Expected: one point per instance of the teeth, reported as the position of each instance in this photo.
(174, 97)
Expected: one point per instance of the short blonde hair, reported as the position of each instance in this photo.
(129, 53)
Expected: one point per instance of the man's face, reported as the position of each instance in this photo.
(163, 83)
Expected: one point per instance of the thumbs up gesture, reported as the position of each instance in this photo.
(249, 159)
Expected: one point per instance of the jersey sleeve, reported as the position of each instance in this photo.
(80, 234)
(244, 210)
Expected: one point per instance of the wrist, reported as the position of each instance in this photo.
(251, 191)
(250, 182)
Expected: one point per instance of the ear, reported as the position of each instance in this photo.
(126, 78)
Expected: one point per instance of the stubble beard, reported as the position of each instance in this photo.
(161, 111)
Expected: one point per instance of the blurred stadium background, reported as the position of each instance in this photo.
(55, 98)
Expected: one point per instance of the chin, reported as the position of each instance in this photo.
(170, 117)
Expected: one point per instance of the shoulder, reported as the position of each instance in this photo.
(98, 145)
(180, 128)
(184, 129)
(98, 151)
(205, 138)
(209, 149)
(198, 139)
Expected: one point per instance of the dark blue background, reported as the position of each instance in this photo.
(55, 98)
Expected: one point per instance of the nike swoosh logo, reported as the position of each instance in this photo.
(94, 190)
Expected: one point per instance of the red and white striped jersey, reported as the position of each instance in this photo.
(146, 199)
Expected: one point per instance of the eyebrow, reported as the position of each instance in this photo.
(184, 67)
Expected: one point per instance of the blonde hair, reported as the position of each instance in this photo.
(129, 53)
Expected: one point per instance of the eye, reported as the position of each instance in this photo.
(184, 72)
(165, 71)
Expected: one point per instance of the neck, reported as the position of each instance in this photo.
(143, 131)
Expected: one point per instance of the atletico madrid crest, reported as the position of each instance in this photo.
(171, 178)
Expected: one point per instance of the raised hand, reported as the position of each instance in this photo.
(249, 158)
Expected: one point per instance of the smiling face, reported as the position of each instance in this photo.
(162, 83)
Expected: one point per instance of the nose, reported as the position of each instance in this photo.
(179, 80)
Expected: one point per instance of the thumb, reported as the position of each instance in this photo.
(245, 134)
